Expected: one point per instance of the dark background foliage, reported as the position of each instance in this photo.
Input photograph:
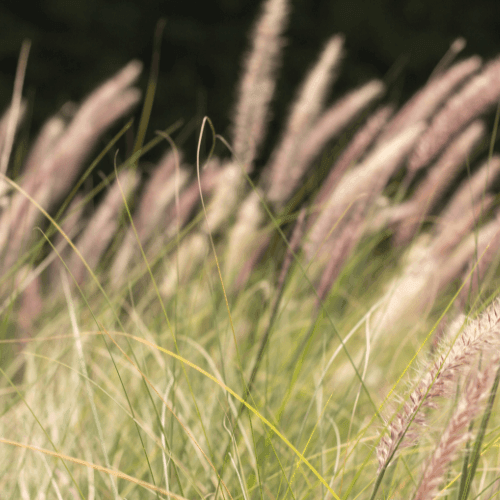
(78, 43)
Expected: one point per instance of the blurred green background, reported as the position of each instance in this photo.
(78, 43)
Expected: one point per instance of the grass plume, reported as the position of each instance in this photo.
(223, 331)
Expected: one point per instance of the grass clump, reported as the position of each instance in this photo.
(212, 331)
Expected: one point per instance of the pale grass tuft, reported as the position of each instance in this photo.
(472, 190)
(456, 433)
(489, 256)
(103, 107)
(409, 293)
(4, 122)
(281, 172)
(158, 194)
(102, 227)
(242, 241)
(226, 195)
(278, 302)
(451, 231)
(9, 114)
(47, 139)
(58, 171)
(72, 224)
(438, 179)
(488, 236)
(330, 124)
(439, 380)
(467, 197)
(368, 179)
(456, 47)
(177, 216)
(257, 86)
(356, 148)
(194, 248)
(15, 111)
(252, 262)
(424, 103)
(292, 248)
(31, 306)
(339, 249)
(477, 96)
(430, 266)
